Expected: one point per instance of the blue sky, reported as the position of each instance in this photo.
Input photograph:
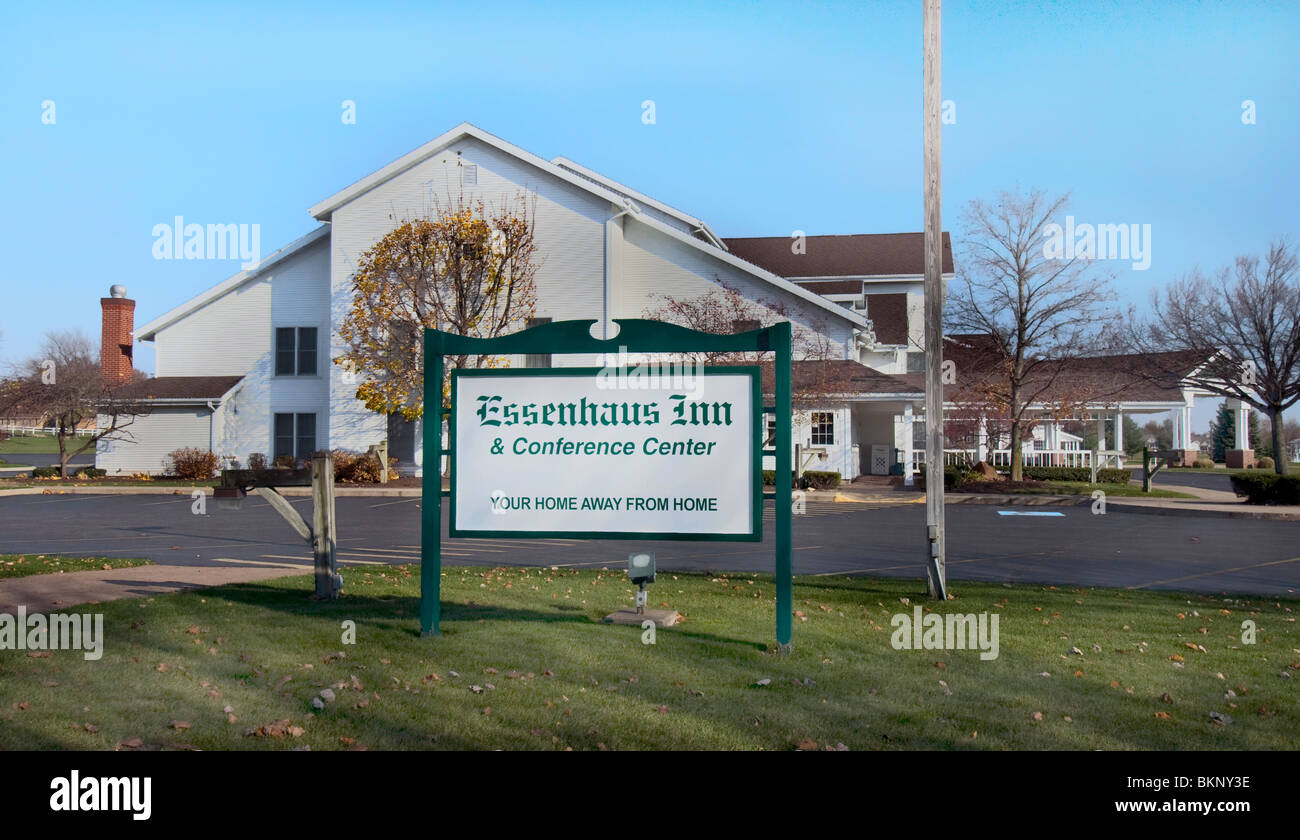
(770, 117)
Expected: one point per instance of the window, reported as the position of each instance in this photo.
(295, 351)
(823, 428)
(741, 325)
(295, 434)
(769, 432)
(537, 360)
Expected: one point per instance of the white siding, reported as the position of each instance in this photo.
(569, 225)
(235, 335)
(155, 435)
(226, 337)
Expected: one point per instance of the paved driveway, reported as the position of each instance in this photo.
(1117, 549)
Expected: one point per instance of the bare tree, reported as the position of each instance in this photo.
(1246, 322)
(63, 386)
(725, 310)
(1036, 311)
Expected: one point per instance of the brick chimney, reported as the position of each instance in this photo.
(116, 343)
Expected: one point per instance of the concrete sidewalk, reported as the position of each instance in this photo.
(42, 593)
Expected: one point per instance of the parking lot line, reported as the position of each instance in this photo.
(398, 502)
(1214, 572)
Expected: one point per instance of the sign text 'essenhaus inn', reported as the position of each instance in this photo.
(676, 410)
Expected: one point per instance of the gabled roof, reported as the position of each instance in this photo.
(322, 209)
(177, 388)
(856, 255)
(641, 198)
(585, 180)
(149, 330)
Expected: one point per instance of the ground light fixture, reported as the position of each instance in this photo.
(641, 570)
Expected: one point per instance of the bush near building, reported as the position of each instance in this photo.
(1111, 476)
(1267, 488)
(192, 463)
(814, 479)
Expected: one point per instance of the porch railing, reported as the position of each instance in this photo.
(1028, 457)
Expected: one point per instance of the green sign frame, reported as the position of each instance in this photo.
(755, 533)
(636, 336)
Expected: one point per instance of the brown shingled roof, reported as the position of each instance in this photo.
(178, 387)
(844, 376)
(1138, 377)
(855, 255)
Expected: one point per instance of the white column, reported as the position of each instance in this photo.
(1242, 423)
(1101, 431)
(909, 432)
(1185, 427)
(982, 440)
(1119, 430)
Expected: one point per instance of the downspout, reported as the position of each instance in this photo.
(212, 413)
(609, 268)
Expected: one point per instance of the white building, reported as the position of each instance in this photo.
(246, 367)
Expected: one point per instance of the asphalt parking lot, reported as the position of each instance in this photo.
(1116, 549)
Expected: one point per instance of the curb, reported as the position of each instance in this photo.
(1126, 507)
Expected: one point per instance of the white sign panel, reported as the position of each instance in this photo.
(581, 452)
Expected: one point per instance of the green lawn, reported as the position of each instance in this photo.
(42, 444)
(523, 663)
(1083, 488)
(22, 565)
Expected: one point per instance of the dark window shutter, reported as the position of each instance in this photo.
(283, 435)
(306, 435)
(307, 351)
(284, 351)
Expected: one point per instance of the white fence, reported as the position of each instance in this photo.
(33, 431)
(1028, 457)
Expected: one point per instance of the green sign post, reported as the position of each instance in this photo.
(634, 336)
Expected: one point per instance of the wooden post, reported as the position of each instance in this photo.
(324, 531)
(381, 452)
(934, 293)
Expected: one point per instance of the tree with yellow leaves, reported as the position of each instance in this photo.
(467, 269)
